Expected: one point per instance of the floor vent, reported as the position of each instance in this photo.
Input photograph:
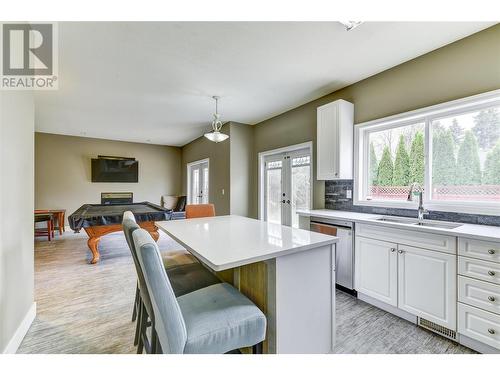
(440, 330)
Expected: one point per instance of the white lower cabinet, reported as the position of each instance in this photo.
(479, 292)
(480, 325)
(427, 285)
(419, 281)
(376, 269)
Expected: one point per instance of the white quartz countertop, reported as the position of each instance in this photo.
(224, 242)
(480, 232)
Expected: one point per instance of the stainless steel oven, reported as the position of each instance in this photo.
(344, 259)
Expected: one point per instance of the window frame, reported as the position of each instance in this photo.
(426, 116)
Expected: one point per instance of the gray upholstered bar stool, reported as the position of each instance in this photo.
(186, 273)
(186, 278)
(215, 319)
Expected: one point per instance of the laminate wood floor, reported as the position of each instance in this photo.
(366, 329)
(83, 308)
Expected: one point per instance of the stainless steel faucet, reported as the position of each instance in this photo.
(421, 210)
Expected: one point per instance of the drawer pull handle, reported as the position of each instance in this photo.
(491, 251)
(491, 299)
(400, 251)
(491, 331)
(393, 249)
(491, 273)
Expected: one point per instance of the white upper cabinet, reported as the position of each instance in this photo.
(335, 128)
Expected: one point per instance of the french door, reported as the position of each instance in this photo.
(287, 186)
(198, 179)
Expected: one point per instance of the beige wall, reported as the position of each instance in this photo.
(218, 153)
(16, 212)
(231, 168)
(63, 174)
(467, 67)
(241, 168)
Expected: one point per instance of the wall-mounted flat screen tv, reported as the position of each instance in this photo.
(115, 169)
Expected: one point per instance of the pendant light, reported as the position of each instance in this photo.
(215, 135)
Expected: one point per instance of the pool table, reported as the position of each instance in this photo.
(101, 219)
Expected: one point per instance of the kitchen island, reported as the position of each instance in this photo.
(289, 273)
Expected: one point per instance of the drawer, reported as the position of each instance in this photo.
(479, 269)
(479, 294)
(431, 241)
(480, 325)
(485, 250)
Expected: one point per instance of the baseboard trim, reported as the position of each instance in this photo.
(476, 345)
(391, 309)
(21, 331)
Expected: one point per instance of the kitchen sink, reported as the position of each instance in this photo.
(400, 220)
(438, 225)
(425, 223)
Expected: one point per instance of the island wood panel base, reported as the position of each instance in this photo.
(296, 292)
(252, 281)
(95, 234)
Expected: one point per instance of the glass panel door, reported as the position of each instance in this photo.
(198, 182)
(287, 186)
(300, 165)
(204, 184)
(195, 185)
(273, 191)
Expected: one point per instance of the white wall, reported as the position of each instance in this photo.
(16, 217)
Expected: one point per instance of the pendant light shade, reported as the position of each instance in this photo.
(215, 135)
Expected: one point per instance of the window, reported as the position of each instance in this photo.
(396, 160)
(451, 150)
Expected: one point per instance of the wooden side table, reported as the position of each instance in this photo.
(59, 215)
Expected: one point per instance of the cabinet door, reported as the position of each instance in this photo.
(376, 269)
(327, 142)
(427, 284)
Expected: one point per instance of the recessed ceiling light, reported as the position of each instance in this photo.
(349, 25)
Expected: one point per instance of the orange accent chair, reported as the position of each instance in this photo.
(199, 210)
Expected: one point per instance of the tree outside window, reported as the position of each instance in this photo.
(464, 158)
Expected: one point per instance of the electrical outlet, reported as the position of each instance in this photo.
(348, 194)
(222, 191)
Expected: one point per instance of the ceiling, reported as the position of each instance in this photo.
(153, 81)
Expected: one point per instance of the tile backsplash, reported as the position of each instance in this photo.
(336, 199)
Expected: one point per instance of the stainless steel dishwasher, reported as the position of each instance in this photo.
(344, 259)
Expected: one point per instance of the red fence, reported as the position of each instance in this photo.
(490, 193)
